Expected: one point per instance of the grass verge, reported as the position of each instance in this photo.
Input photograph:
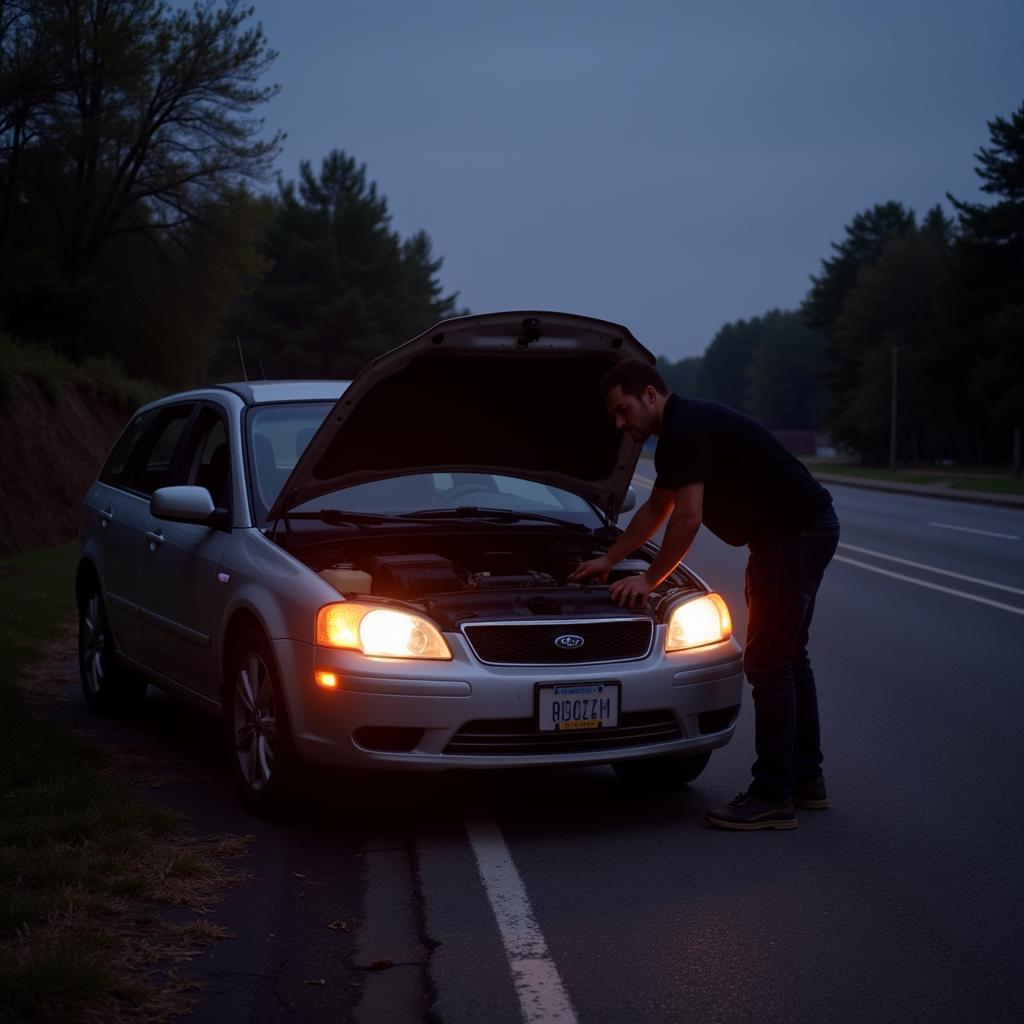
(956, 480)
(86, 867)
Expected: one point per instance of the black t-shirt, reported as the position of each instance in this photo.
(754, 489)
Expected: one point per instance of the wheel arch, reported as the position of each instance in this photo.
(86, 575)
(240, 620)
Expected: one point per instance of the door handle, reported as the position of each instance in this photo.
(155, 539)
(106, 516)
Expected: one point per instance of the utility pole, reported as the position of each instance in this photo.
(893, 405)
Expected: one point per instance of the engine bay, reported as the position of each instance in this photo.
(482, 575)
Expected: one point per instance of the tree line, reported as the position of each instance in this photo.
(135, 224)
(928, 311)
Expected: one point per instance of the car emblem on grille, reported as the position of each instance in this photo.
(569, 641)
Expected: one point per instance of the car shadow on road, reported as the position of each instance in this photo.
(187, 744)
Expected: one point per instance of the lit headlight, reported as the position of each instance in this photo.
(697, 623)
(380, 632)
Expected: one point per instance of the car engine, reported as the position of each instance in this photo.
(476, 578)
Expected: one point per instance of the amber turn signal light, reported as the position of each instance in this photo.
(328, 680)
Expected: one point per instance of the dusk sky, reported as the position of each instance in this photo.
(669, 166)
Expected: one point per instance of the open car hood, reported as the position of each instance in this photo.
(509, 393)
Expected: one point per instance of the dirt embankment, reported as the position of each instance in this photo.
(50, 452)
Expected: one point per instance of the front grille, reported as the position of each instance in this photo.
(520, 735)
(533, 643)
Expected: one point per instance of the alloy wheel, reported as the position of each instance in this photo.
(94, 642)
(255, 721)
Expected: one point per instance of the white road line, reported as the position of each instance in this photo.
(931, 586)
(929, 568)
(932, 568)
(542, 996)
(968, 529)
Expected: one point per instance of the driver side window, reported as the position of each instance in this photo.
(209, 458)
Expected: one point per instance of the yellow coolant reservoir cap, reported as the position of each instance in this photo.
(347, 580)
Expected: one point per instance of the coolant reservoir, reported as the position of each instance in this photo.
(347, 580)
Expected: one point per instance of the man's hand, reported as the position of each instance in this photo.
(599, 567)
(632, 591)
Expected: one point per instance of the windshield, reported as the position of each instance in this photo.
(425, 492)
(279, 434)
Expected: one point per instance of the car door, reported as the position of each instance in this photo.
(141, 458)
(182, 598)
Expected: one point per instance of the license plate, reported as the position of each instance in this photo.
(577, 706)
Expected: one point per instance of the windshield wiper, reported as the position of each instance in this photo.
(340, 516)
(504, 515)
(344, 517)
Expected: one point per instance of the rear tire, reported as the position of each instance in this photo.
(108, 688)
(664, 774)
(263, 758)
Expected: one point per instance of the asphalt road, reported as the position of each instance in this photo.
(568, 896)
(900, 903)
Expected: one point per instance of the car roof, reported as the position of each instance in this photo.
(260, 392)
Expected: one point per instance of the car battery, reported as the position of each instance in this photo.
(409, 576)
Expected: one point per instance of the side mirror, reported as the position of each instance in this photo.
(184, 504)
(629, 502)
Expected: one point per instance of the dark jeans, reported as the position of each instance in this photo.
(781, 584)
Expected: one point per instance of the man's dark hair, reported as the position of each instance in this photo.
(633, 376)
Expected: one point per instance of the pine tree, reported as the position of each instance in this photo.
(866, 237)
(989, 271)
(343, 287)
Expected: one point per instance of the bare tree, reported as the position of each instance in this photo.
(147, 116)
(28, 76)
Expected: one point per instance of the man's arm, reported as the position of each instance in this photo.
(645, 524)
(683, 524)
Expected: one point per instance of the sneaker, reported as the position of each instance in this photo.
(811, 794)
(745, 813)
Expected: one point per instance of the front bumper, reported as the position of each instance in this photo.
(432, 701)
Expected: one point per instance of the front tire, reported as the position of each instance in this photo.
(664, 774)
(260, 744)
(107, 687)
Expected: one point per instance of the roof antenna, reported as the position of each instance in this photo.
(264, 372)
(245, 376)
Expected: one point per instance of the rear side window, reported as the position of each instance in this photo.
(116, 466)
(155, 466)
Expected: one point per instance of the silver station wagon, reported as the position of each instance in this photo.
(375, 573)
